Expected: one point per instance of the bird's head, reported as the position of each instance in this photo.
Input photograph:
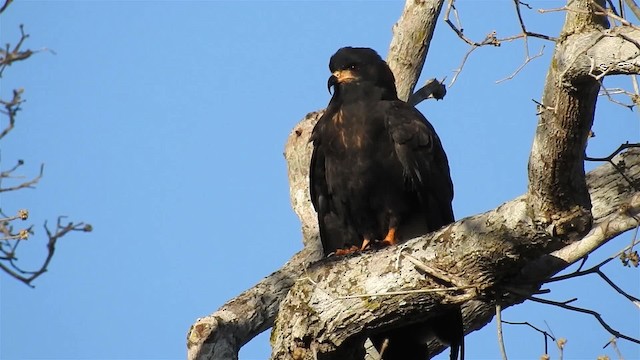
(352, 65)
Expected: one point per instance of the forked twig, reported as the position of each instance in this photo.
(565, 305)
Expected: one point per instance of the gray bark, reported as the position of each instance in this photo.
(522, 241)
(495, 252)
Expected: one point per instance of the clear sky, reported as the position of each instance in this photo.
(162, 123)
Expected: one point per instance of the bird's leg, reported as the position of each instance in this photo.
(390, 239)
(365, 244)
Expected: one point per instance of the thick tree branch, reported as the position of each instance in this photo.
(557, 194)
(222, 334)
(490, 251)
(410, 44)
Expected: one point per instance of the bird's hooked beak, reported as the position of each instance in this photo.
(333, 81)
(340, 76)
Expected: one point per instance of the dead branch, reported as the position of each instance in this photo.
(614, 344)
(27, 184)
(545, 334)
(503, 350)
(433, 89)
(634, 8)
(597, 269)
(619, 167)
(5, 5)
(407, 52)
(11, 108)
(598, 317)
(609, 93)
(8, 56)
(527, 60)
(11, 266)
(492, 39)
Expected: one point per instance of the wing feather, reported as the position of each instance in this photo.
(423, 159)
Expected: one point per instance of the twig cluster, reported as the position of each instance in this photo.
(617, 18)
(11, 240)
(492, 39)
(597, 270)
(8, 55)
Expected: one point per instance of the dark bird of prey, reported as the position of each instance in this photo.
(379, 175)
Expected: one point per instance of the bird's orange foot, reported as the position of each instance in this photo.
(390, 239)
(350, 250)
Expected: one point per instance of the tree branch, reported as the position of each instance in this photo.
(410, 44)
(557, 193)
(28, 277)
(503, 242)
(489, 251)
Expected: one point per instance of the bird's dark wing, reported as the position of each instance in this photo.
(423, 159)
(335, 233)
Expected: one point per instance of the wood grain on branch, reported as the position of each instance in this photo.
(410, 43)
(557, 194)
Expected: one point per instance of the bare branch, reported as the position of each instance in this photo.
(634, 7)
(457, 71)
(27, 184)
(527, 60)
(560, 343)
(8, 56)
(54, 235)
(11, 108)
(617, 91)
(545, 334)
(433, 89)
(598, 317)
(491, 39)
(503, 351)
(407, 52)
(614, 344)
(22, 214)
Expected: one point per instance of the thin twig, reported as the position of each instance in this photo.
(620, 169)
(408, 292)
(11, 109)
(492, 39)
(634, 7)
(527, 60)
(545, 334)
(593, 269)
(27, 184)
(8, 56)
(28, 277)
(565, 305)
(503, 351)
(5, 5)
(614, 344)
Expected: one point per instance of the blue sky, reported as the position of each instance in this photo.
(162, 123)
